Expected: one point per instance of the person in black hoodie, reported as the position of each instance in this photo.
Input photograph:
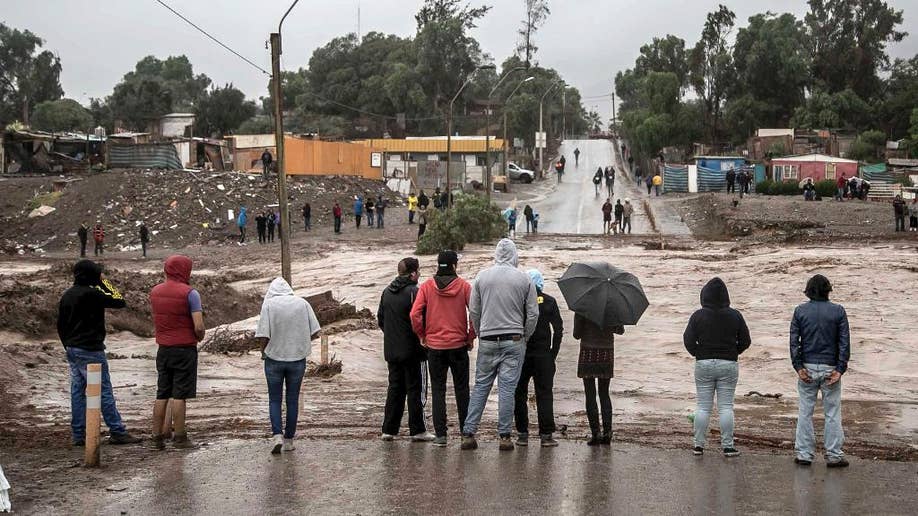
(539, 365)
(716, 335)
(83, 234)
(403, 353)
(261, 224)
(81, 328)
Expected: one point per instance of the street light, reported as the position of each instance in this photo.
(488, 187)
(527, 79)
(449, 131)
(541, 164)
(279, 144)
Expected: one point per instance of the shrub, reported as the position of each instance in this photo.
(471, 219)
(770, 187)
(826, 188)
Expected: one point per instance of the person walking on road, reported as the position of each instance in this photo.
(266, 160)
(144, 237)
(527, 212)
(504, 310)
(900, 210)
(577, 157)
(423, 200)
(715, 335)
(286, 328)
(241, 221)
(731, 181)
(412, 207)
(657, 183)
(619, 212)
(358, 210)
(607, 217)
(307, 217)
(820, 347)
(610, 180)
(81, 328)
(178, 323)
(422, 220)
(511, 222)
(272, 223)
(440, 320)
(627, 213)
(595, 366)
(98, 237)
(370, 207)
(913, 214)
(404, 355)
(597, 180)
(83, 235)
(336, 215)
(261, 227)
(539, 366)
(744, 179)
(381, 205)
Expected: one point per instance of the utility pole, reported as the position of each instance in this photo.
(614, 125)
(541, 102)
(563, 113)
(449, 132)
(510, 96)
(488, 186)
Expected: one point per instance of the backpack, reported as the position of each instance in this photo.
(437, 202)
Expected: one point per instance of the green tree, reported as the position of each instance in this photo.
(258, 124)
(664, 55)
(901, 95)
(537, 12)
(841, 110)
(711, 66)
(61, 115)
(222, 111)
(27, 77)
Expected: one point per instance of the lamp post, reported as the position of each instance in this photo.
(279, 144)
(449, 132)
(488, 187)
(527, 79)
(541, 101)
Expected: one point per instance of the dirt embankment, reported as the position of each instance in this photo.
(774, 219)
(180, 208)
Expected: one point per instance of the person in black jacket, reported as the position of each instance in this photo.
(144, 238)
(81, 328)
(403, 353)
(539, 365)
(716, 335)
(83, 234)
(261, 225)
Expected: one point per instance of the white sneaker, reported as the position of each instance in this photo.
(424, 437)
(278, 443)
(387, 437)
(288, 445)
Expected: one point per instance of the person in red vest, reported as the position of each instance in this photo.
(179, 326)
(98, 236)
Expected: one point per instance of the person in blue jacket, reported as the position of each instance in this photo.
(241, 221)
(358, 210)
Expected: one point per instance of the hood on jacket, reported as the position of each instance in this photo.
(399, 283)
(87, 273)
(715, 294)
(278, 287)
(818, 288)
(178, 268)
(537, 279)
(506, 254)
(447, 286)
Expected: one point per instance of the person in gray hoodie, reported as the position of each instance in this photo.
(504, 311)
(286, 328)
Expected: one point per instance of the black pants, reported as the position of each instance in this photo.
(900, 222)
(357, 219)
(404, 383)
(83, 249)
(98, 249)
(265, 167)
(337, 224)
(241, 234)
(307, 222)
(410, 217)
(731, 187)
(541, 369)
(143, 246)
(270, 234)
(439, 362)
(605, 402)
(421, 229)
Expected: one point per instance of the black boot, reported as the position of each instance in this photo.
(595, 440)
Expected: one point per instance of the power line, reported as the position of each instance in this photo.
(217, 41)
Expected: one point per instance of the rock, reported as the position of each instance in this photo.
(41, 211)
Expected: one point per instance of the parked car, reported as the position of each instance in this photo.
(520, 174)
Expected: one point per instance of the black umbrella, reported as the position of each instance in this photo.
(604, 294)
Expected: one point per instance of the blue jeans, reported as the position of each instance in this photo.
(501, 360)
(715, 376)
(78, 359)
(278, 374)
(380, 220)
(805, 444)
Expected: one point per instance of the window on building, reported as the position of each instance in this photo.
(830, 171)
(791, 171)
(779, 172)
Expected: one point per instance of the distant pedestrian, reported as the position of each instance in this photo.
(272, 223)
(577, 157)
(596, 367)
(98, 237)
(336, 214)
(444, 199)
(744, 179)
(631, 165)
(358, 210)
(900, 210)
(637, 175)
(841, 184)
(261, 227)
(618, 213)
(715, 335)
(913, 214)
(241, 221)
(83, 235)
(144, 237)
(657, 183)
(607, 209)
(307, 216)
(381, 205)
(610, 180)
(559, 169)
(412, 207)
(820, 346)
(597, 180)
(81, 328)
(535, 222)
(539, 366)
(437, 200)
(731, 181)
(178, 322)
(504, 311)
(286, 328)
(370, 208)
(266, 160)
(423, 200)
(422, 220)
(527, 213)
(511, 222)
(627, 213)
(404, 355)
(440, 320)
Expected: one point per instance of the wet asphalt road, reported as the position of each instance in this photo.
(370, 477)
(573, 207)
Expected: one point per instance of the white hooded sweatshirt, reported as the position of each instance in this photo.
(503, 299)
(288, 322)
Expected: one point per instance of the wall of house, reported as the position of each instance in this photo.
(314, 157)
(816, 170)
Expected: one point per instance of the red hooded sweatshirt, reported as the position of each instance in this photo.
(171, 309)
(439, 315)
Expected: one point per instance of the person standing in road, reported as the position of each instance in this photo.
(627, 213)
(286, 328)
(577, 157)
(81, 328)
(358, 210)
(98, 237)
(527, 213)
(422, 220)
(381, 205)
(649, 184)
(144, 237)
(178, 322)
(597, 180)
(657, 183)
(412, 207)
(820, 347)
(336, 214)
(511, 222)
(370, 207)
(840, 185)
(539, 365)
(403, 353)
(731, 181)
(261, 227)
(241, 221)
(638, 175)
(900, 210)
(423, 200)
(504, 310)
(619, 212)
(440, 320)
(631, 165)
(596, 367)
(716, 335)
(272, 223)
(913, 214)
(307, 216)
(266, 160)
(83, 235)
(744, 178)
(610, 180)
(607, 217)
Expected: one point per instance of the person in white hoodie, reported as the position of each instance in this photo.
(286, 328)
(504, 311)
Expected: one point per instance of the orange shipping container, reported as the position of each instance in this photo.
(315, 157)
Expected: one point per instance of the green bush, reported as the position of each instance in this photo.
(471, 219)
(826, 188)
(769, 187)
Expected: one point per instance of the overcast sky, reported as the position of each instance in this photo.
(587, 41)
